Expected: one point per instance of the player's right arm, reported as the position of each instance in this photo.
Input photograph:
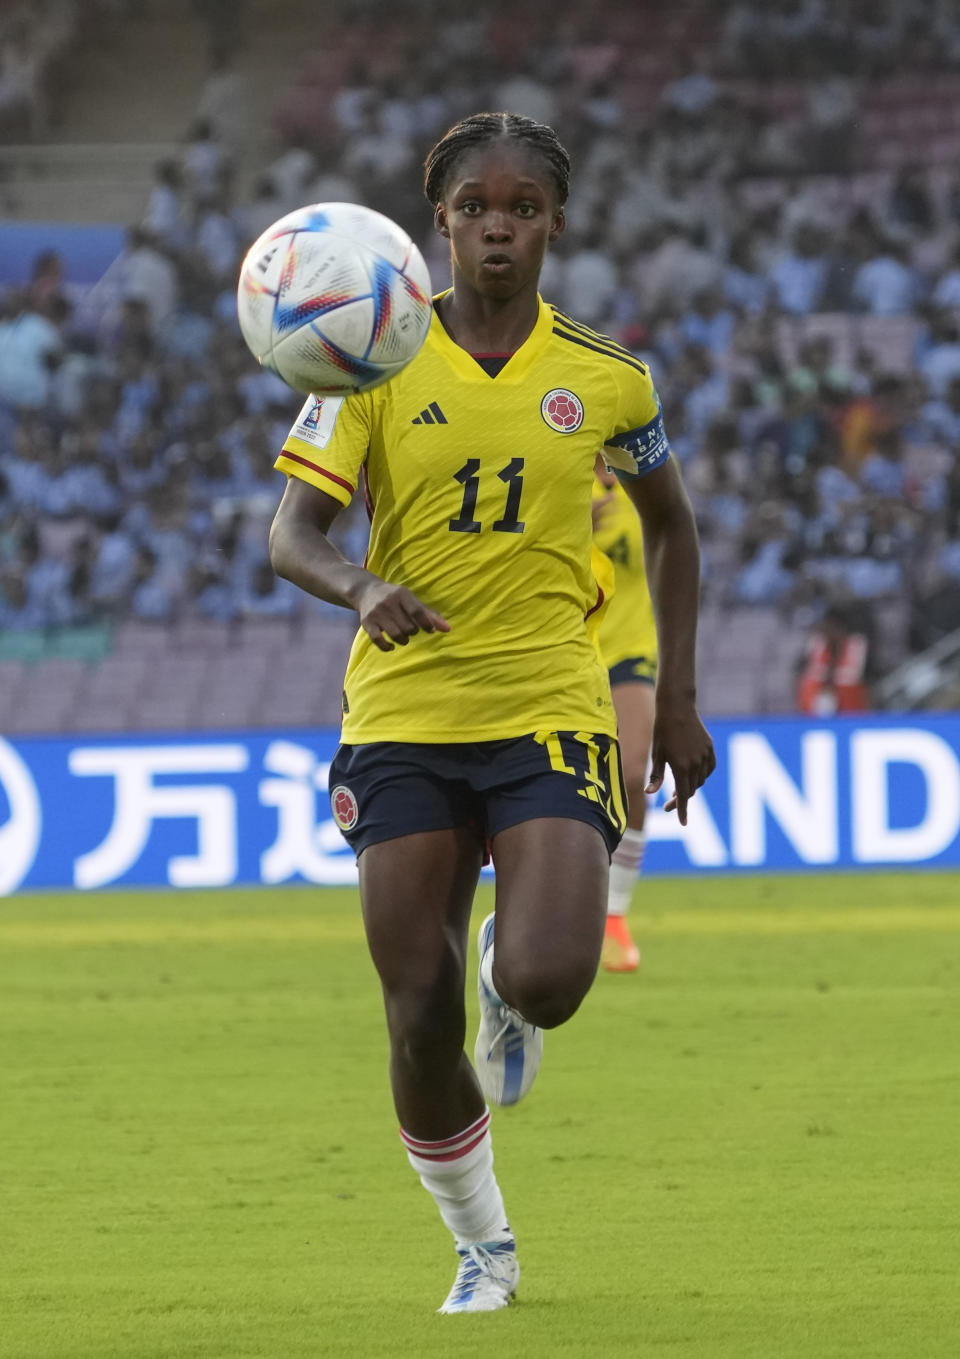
(323, 457)
(301, 551)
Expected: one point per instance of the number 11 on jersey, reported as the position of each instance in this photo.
(469, 479)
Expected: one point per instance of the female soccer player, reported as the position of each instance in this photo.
(628, 645)
(476, 709)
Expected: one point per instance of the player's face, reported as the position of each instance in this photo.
(500, 212)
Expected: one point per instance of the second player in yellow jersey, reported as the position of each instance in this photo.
(628, 646)
(628, 629)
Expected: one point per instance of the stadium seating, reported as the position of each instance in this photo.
(103, 669)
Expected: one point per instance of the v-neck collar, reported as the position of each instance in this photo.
(516, 367)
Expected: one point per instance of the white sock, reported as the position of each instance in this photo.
(626, 863)
(458, 1172)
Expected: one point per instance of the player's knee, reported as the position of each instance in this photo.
(545, 995)
(426, 1033)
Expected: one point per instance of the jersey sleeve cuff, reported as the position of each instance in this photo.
(296, 465)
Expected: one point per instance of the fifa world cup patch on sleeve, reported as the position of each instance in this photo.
(646, 447)
(317, 420)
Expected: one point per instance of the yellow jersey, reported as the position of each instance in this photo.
(628, 628)
(479, 491)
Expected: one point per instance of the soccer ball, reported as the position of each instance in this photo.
(335, 298)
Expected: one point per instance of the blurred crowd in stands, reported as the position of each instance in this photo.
(37, 40)
(765, 206)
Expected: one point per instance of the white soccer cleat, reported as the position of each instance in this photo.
(486, 1280)
(508, 1050)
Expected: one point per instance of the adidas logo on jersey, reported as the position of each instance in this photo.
(433, 415)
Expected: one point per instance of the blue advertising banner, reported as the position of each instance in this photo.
(211, 810)
(87, 251)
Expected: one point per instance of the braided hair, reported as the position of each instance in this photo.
(481, 128)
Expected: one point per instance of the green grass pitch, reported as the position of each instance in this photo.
(749, 1150)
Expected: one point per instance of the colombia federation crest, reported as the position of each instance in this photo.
(562, 410)
(344, 807)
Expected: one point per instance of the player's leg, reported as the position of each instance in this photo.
(417, 892)
(539, 950)
(550, 911)
(634, 705)
(555, 809)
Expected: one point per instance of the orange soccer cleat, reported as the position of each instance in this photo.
(620, 953)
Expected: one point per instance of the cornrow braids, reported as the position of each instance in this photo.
(481, 128)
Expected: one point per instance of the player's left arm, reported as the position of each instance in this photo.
(672, 557)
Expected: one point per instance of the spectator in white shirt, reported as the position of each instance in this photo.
(144, 273)
(800, 274)
(30, 347)
(206, 161)
(291, 172)
(887, 285)
(217, 241)
(166, 215)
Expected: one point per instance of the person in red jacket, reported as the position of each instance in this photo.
(834, 673)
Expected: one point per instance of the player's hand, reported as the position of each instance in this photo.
(681, 741)
(393, 614)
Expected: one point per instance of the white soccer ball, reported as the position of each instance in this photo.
(335, 298)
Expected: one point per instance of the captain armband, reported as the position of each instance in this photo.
(638, 452)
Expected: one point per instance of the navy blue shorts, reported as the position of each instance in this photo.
(391, 788)
(633, 670)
